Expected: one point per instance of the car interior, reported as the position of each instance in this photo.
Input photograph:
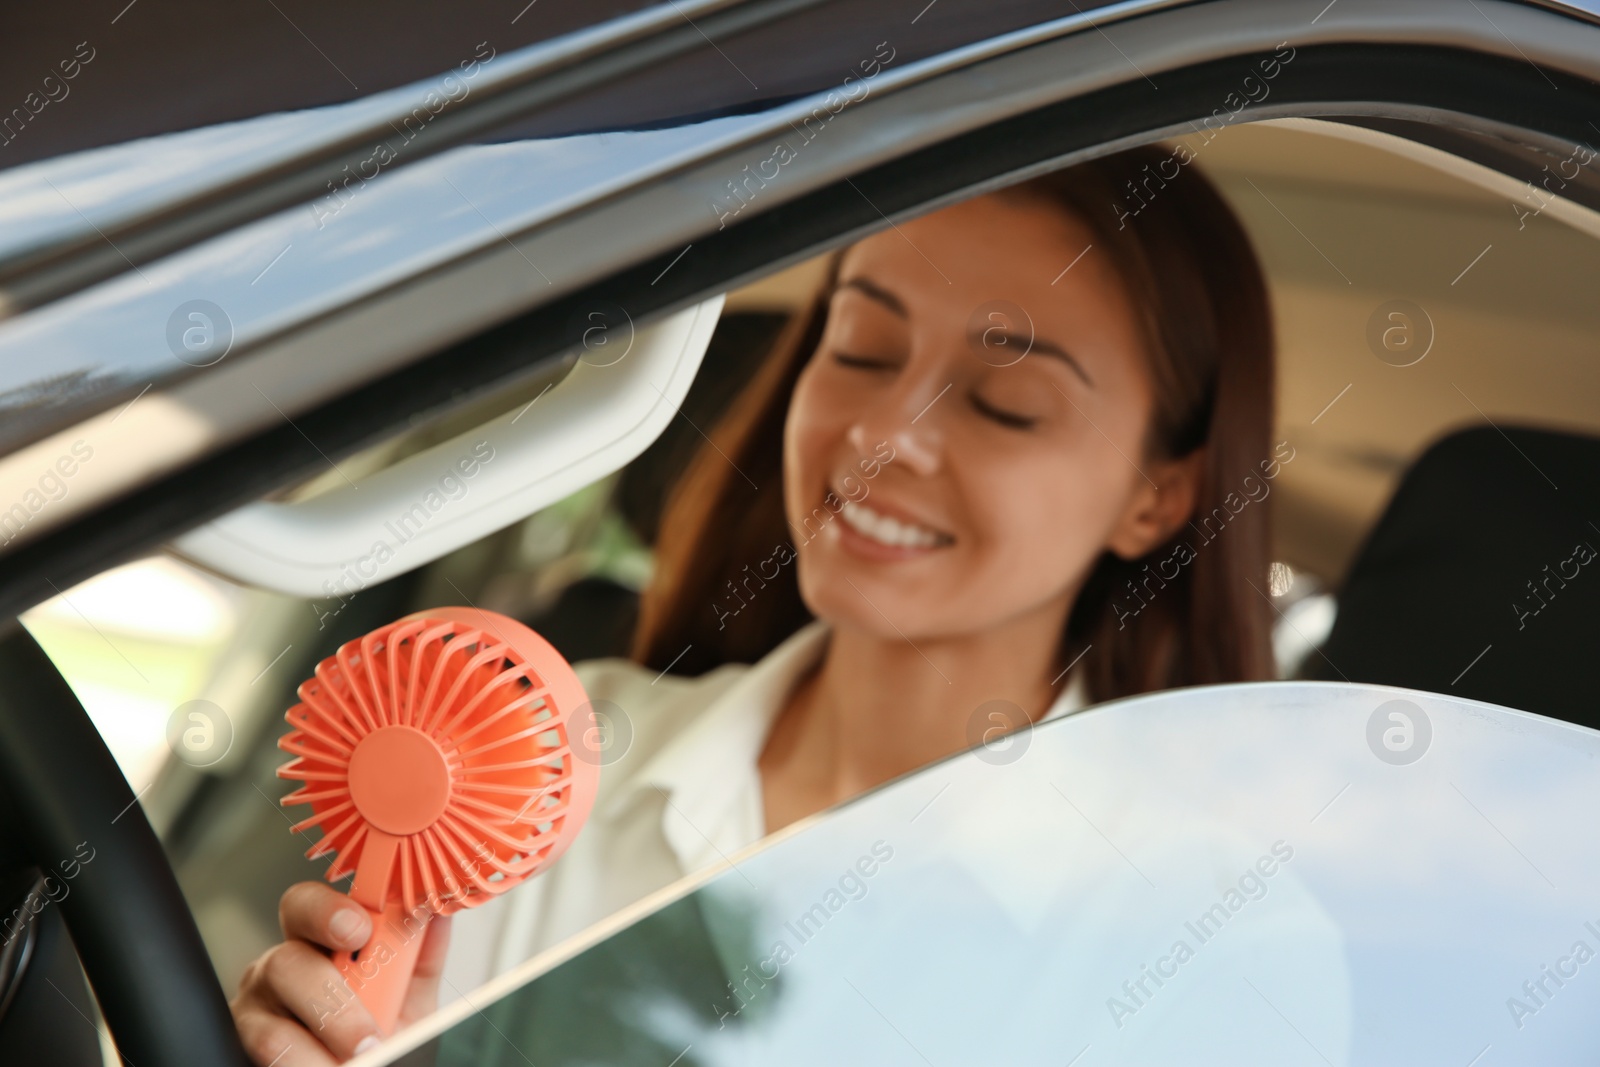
(1360, 428)
(1437, 392)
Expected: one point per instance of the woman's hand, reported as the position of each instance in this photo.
(294, 1009)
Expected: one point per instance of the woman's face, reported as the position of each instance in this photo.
(968, 437)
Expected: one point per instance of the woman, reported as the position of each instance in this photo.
(997, 462)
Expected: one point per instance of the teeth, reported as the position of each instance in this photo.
(888, 531)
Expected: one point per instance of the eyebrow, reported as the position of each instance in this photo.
(873, 291)
(1055, 351)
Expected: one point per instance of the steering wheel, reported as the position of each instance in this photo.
(60, 789)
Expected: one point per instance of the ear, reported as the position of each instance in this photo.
(1162, 501)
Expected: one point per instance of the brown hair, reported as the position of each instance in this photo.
(1208, 331)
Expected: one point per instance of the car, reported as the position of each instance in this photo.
(243, 328)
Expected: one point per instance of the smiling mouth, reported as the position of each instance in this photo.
(895, 533)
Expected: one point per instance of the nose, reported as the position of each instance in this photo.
(906, 418)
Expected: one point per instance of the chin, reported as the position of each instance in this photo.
(858, 618)
(849, 596)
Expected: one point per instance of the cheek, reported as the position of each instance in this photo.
(817, 423)
(1041, 521)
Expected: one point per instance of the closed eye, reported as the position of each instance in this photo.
(1009, 419)
(845, 359)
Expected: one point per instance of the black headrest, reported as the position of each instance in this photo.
(1482, 579)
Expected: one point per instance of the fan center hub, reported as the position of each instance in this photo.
(399, 779)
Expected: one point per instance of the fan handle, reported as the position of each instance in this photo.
(380, 971)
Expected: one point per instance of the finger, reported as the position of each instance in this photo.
(310, 988)
(270, 1040)
(320, 914)
(435, 946)
(422, 995)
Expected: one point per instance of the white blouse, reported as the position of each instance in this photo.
(685, 794)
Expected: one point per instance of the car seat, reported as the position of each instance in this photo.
(1481, 579)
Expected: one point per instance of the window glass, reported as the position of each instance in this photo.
(1290, 873)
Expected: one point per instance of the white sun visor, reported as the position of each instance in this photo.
(617, 399)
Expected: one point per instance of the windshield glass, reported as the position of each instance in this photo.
(1286, 873)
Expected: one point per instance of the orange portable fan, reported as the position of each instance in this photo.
(441, 756)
